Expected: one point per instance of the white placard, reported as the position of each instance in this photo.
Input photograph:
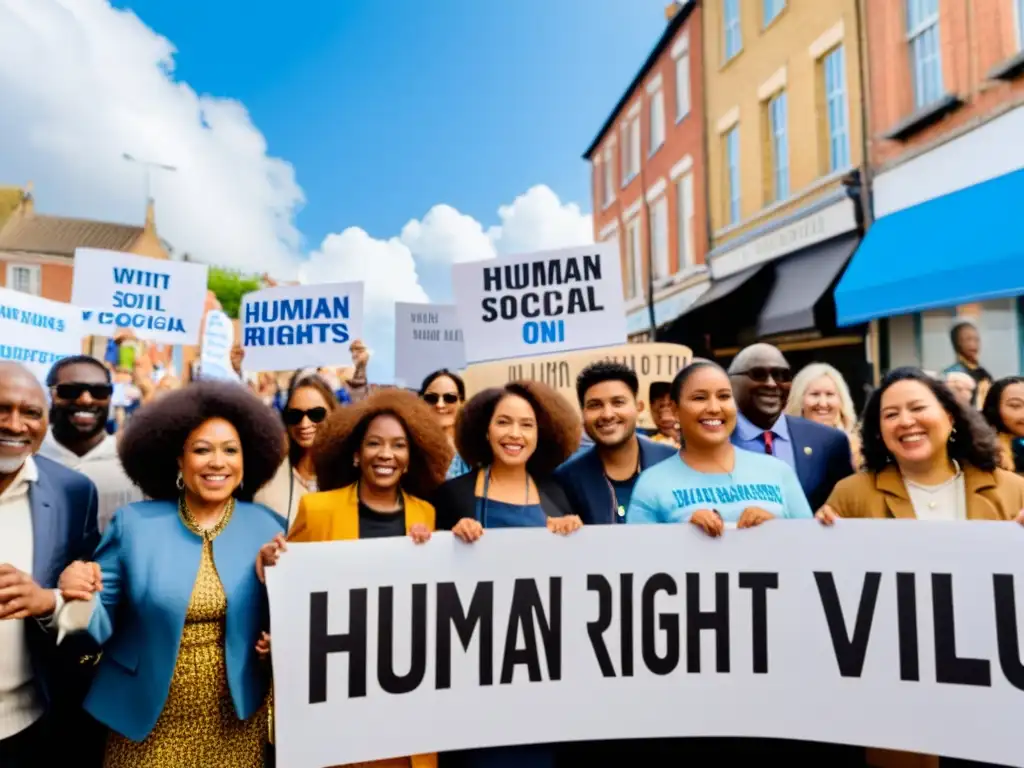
(37, 332)
(427, 338)
(158, 299)
(218, 338)
(937, 638)
(539, 303)
(301, 326)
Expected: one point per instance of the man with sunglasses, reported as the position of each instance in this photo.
(80, 397)
(761, 378)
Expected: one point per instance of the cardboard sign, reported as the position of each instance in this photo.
(37, 332)
(218, 338)
(427, 338)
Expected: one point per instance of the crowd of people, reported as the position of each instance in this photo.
(134, 627)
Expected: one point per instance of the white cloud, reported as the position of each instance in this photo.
(537, 220)
(82, 83)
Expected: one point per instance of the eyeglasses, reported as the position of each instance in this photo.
(73, 391)
(432, 398)
(294, 416)
(760, 374)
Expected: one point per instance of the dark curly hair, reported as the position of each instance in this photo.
(338, 441)
(558, 426)
(605, 370)
(974, 442)
(154, 438)
(993, 399)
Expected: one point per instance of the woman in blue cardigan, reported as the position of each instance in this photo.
(180, 608)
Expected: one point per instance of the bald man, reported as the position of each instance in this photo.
(47, 520)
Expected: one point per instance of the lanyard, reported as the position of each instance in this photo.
(487, 488)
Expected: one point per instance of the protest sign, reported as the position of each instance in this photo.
(875, 633)
(427, 337)
(218, 338)
(301, 326)
(157, 299)
(37, 332)
(553, 301)
(657, 362)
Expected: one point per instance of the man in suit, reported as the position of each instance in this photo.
(47, 520)
(761, 378)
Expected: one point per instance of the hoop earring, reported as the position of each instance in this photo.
(952, 435)
(355, 461)
(180, 482)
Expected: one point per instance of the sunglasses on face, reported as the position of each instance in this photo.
(294, 416)
(75, 391)
(432, 398)
(760, 374)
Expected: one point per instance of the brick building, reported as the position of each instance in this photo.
(648, 175)
(946, 143)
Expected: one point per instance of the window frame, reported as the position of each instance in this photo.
(684, 221)
(732, 29)
(35, 273)
(608, 177)
(926, 68)
(657, 123)
(634, 267)
(661, 256)
(833, 65)
(778, 133)
(770, 10)
(734, 202)
(683, 84)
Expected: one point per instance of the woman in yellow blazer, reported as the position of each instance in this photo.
(375, 461)
(927, 457)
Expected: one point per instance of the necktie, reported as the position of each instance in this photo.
(769, 440)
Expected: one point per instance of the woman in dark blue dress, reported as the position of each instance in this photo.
(513, 438)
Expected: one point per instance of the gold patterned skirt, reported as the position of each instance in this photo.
(198, 727)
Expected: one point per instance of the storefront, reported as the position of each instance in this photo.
(670, 302)
(948, 241)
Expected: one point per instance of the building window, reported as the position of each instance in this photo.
(657, 136)
(25, 278)
(771, 9)
(659, 235)
(633, 271)
(608, 172)
(683, 85)
(731, 25)
(684, 220)
(777, 125)
(630, 150)
(925, 57)
(834, 65)
(732, 160)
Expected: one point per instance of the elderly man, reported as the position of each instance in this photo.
(963, 385)
(47, 520)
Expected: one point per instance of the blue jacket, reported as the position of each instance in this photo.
(583, 480)
(150, 561)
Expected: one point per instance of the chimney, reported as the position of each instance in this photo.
(672, 9)
(150, 225)
(28, 205)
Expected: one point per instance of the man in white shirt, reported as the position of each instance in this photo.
(47, 521)
(80, 392)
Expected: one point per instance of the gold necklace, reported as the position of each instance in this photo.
(190, 522)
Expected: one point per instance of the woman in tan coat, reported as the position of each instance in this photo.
(927, 457)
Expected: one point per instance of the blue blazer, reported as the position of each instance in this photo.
(583, 480)
(149, 561)
(64, 507)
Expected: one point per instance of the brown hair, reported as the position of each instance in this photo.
(338, 441)
(558, 426)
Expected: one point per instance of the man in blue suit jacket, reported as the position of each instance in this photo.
(47, 520)
(761, 378)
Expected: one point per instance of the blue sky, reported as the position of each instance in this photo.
(388, 108)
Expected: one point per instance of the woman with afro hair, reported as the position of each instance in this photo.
(180, 610)
(376, 462)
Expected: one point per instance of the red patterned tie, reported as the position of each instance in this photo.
(769, 440)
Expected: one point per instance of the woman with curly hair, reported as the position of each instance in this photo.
(309, 401)
(180, 610)
(376, 462)
(514, 437)
(1004, 411)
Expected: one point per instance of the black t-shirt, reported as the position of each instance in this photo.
(623, 490)
(380, 525)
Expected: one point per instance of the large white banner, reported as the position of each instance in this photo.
(159, 300)
(301, 326)
(427, 338)
(539, 303)
(37, 332)
(891, 634)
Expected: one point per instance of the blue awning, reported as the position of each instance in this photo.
(960, 248)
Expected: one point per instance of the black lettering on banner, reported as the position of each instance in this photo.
(527, 608)
(322, 644)
(626, 622)
(906, 625)
(389, 681)
(595, 629)
(451, 613)
(1007, 632)
(950, 668)
(759, 584)
(667, 622)
(698, 621)
(849, 651)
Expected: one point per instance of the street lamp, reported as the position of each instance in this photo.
(147, 167)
